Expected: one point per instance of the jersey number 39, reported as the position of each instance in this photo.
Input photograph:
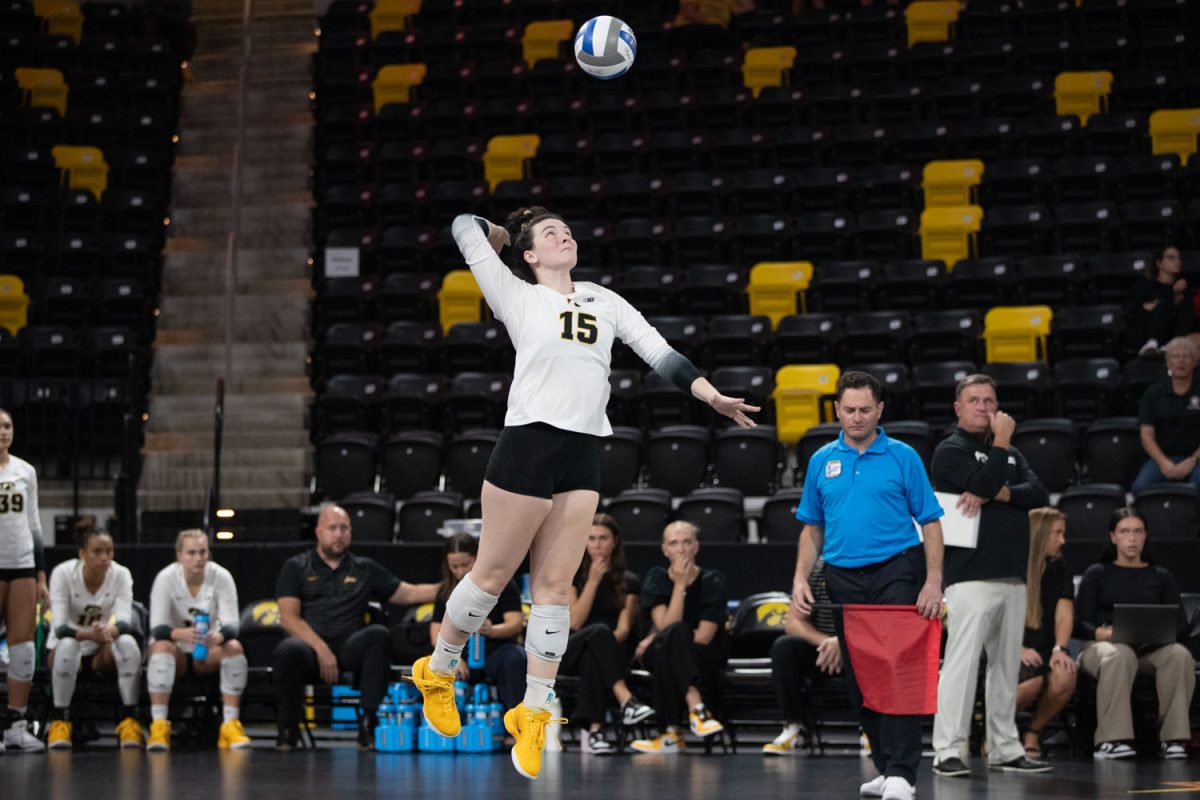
(12, 502)
(579, 326)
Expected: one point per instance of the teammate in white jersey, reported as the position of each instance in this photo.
(22, 579)
(190, 585)
(91, 598)
(543, 478)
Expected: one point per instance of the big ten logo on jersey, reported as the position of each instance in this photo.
(771, 614)
(11, 500)
(90, 616)
(266, 613)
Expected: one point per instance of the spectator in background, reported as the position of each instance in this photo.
(504, 658)
(808, 650)
(687, 648)
(323, 595)
(1169, 416)
(1160, 307)
(1047, 673)
(985, 584)
(1125, 574)
(604, 606)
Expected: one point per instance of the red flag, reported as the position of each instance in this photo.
(894, 652)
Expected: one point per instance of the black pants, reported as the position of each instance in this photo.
(1163, 323)
(367, 653)
(895, 738)
(793, 665)
(676, 663)
(595, 655)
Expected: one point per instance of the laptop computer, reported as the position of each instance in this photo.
(1142, 624)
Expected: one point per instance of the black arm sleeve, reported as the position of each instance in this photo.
(122, 626)
(65, 632)
(229, 630)
(679, 370)
(161, 633)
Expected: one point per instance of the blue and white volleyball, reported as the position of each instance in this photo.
(605, 47)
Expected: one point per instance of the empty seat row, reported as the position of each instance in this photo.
(30, 253)
(104, 351)
(676, 458)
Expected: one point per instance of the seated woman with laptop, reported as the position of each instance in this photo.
(1129, 614)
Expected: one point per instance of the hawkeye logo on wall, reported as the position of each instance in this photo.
(771, 614)
(266, 613)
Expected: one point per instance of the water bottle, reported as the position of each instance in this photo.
(200, 651)
(475, 654)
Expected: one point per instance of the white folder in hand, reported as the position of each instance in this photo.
(957, 530)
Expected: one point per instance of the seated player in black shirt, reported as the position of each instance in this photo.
(323, 595)
(604, 604)
(688, 647)
(1047, 669)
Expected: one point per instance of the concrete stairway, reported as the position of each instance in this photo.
(266, 450)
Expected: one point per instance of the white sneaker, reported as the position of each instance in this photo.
(896, 788)
(1109, 751)
(873, 787)
(19, 739)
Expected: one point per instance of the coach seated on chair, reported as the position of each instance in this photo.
(688, 648)
(323, 595)
(1169, 421)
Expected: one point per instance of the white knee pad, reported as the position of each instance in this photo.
(548, 631)
(233, 675)
(67, 657)
(20, 661)
(469, 605)
(160, 673)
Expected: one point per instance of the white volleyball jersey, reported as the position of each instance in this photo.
(72, 604)
(563, 342)
(172, 603)
(19, 521)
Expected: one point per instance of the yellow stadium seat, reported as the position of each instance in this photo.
(766, 66)
(506, 157)
(392, 15)
(458, 299)
(14, 304)
(951, 183)
(83, 167)
(774, 285)
(1016, 333)
(931, 21)
(803, 398)
(949, 233)
(544, 39)
(62, 17)
(394, 83)
(1174, 131)
(43, 88)
(1082, 93)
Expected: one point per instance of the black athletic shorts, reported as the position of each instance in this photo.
(541, 461)
(7, 575)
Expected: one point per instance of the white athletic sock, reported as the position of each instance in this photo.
(539, 693)
(231, 712)
(158, 711)
(445, 657)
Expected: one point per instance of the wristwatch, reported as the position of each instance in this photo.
(1058, 648)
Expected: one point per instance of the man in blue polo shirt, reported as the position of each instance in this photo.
(861, 495)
